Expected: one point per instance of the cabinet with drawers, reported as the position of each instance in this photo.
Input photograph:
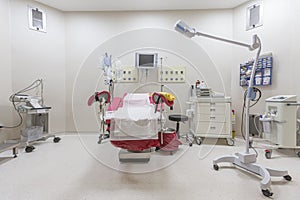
(212, 117)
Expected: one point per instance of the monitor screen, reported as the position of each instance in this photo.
(146, 60)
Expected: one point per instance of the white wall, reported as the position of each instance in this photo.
(279, 35)
(5, 68)
(37, 55)
(86, 31)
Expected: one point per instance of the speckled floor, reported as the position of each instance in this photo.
(79, 168)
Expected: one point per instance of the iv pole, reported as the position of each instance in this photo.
(245, 160)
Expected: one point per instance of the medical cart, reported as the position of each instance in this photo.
(212, 118)
(36, 127)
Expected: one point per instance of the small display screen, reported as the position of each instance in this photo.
(146, 60)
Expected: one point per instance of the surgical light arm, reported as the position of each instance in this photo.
(183, 28)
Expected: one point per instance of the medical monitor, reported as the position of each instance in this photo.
(146, 60)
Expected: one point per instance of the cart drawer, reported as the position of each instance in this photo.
(211, 118)
(207, 108)
(212, 128)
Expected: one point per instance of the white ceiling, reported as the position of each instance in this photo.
(130, 5)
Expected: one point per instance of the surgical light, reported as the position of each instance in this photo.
(185, 29)
(245, 160)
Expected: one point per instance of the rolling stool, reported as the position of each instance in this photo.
(177, 119)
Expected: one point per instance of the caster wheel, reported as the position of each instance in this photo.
(267, 193)
(157, 149)
(216, 167)
(99, 141)
(198, 140)
(298, 154)
(268, 154)
(230, 142)
(15, 156)
(287, 177)
(56, 139)
(29, 149)
(190, 144)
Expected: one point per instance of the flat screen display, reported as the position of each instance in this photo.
(146, 60)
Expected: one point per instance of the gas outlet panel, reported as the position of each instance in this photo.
(126, 75)
(171, 75)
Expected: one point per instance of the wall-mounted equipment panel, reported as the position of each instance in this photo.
(171, 75)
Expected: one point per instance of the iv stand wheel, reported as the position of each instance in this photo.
(230, 141)
(268, 153)
(298, 154)
(56, 139)
(267, 193)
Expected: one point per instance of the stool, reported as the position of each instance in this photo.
(177, 119)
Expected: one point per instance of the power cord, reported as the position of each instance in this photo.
(256, 90)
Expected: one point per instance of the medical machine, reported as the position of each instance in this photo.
(136, 124)
(280, 122)
(36, 123)
(247, 159)
(34, 116)
(134, 128)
